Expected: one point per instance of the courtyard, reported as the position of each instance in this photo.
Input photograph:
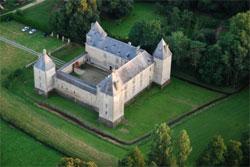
(90, 74)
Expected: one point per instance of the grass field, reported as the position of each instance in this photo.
(10, 5)
(229, 118)
(69, 52)
(12, 58)
(121, 28)
(12, 30)
(153, 106)
(47, 127)
(20, 150)
(39, 15)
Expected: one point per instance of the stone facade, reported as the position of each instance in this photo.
(131, 71)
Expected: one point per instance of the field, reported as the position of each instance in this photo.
(12, 31)
(141, 11)
(12, 58)
(229, 118)
(39, 15)
(151, 107)
(46, 127)
(68, 52)
(16, 146)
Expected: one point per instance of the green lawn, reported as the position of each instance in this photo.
(12, 30)
(229, 118)
(141, 11)
(69, 52)
(20, 150)
(10, 5)
(40, 14)
(153, 106)
(12, 58)
(46, 127)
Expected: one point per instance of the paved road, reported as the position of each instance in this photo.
(24, 7)
(57, 61)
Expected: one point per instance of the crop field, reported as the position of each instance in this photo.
(153, 106)
(229, 118)
(19, 149)
(12, 31)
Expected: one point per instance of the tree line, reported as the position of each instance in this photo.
(212, 52)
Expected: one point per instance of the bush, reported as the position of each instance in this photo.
(17, 74)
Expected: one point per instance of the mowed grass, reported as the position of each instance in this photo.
(69, 52)
(122, 27)
(12, 58)
(153, 106)
(50, 128)
(229, 118)
(12, 31)
(20, 150)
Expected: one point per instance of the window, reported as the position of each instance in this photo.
(106, 105)
(106, 113)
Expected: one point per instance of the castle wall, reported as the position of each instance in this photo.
(138, 83)
(76, 93)
(103, 58)
(111, 108)
(68, 67)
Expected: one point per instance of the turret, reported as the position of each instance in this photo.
(111, 106)
(44, 71)
(163, 59)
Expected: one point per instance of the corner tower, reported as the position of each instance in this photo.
(162, 58)
(44, 71)
(110, 97)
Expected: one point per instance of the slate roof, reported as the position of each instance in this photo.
(111, 84)
(76, 81)
(162, 51)
(126, 72)
(44, 62)
(97, 37)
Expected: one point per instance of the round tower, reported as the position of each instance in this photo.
(44, 71)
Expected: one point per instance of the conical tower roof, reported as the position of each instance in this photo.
(162, 51)
(44, 62)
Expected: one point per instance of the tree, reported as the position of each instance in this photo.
(214, 155)
(146, 34)
(162, 148)
(236, 49)
(246, 149)
(116, 8)
(74, 17)
(133, 159)
(75, 162)
(234, 153)
(184, 148)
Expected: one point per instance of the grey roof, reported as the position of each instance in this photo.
(76, 81)
(44, 62)
(162, 51)
(97, 37)
(129, 70)
(135, 66)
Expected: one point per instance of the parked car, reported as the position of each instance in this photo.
(32, 31)
(25, 28)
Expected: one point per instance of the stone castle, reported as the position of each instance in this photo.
(107, 76)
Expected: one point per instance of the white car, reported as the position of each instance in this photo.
(25, 28)
(32, 31)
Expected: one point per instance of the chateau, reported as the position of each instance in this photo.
(107, 76)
